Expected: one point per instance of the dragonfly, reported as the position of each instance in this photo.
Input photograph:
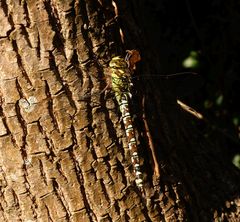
(120, 82)
(121, 71)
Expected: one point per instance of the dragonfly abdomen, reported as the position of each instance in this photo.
(132, 143)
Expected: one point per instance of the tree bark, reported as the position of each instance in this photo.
(64, 154)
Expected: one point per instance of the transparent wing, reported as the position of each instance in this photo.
(183, 83)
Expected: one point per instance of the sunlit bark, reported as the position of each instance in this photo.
(64, 155)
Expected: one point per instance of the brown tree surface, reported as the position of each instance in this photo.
(64, 155)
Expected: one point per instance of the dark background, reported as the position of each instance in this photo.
(207, 33)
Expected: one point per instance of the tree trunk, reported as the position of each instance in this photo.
(64, 154)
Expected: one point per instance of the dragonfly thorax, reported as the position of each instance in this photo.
(118, 62)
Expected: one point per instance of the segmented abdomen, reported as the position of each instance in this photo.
(121, 84)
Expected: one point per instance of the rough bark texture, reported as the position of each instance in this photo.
(64, 157)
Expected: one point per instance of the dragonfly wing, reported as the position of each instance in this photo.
(108, 94)
(186, 85)
(181, 84)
